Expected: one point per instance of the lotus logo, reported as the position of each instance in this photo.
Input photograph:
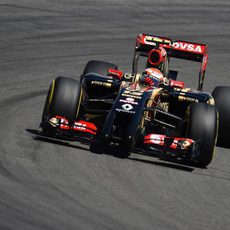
(127, 107)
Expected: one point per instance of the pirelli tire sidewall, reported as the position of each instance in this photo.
(221, 95)
(202, 127)
(47, 102)
(63, 99)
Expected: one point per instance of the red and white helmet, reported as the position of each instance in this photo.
(157, 58)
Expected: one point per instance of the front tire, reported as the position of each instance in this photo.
(63, 99)
(202, 127)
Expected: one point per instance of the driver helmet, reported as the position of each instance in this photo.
(157, 58)
(152, 76)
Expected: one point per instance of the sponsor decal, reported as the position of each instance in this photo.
(180, 45)
(176, 84)
(134, 92)
(181, 143)
(60, 122)
(53, 121)
(100, 83)
(86, 127)
(185, 144)
(129, 101)
(151, 40)
(115, 73)
(131, 96)
(147, 42)
(188, 47)
(157, 139)
(177, 142)
(79, 124)
(127, 107)
(188, 99)
(137, 93)
(126, 111)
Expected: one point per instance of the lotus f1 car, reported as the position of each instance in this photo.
(118, 110)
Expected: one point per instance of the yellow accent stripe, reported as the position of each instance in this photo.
(214, 151)
(51, 93)
(79, 102)
(211, 101)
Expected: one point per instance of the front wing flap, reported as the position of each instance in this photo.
(60, 127)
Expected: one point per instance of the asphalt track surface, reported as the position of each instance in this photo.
(46, 185)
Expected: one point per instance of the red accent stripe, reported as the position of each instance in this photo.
(79, 126)
(115, 73)
(177, 84)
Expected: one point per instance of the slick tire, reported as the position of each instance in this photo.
(99, 67)
(63, 99)
(221, 96)
(202, 127)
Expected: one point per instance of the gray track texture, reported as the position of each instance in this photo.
(45, 185)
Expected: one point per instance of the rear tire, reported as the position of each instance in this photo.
(63, 99)
(99, 67)
(202, 127)
(221, 96)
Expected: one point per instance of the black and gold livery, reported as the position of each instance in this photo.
(165, 120)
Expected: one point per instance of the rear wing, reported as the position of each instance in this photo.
(177, 49)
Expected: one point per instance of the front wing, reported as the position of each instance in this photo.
(159, 144)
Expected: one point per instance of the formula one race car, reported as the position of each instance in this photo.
(146, 111)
